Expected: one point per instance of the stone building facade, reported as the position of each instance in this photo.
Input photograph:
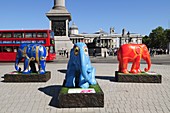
(104, 39)
(66, 36)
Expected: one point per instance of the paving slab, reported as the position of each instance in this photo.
(118, 97)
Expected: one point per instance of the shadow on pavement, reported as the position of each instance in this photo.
(52, 91)
(2, 78)
(111, 78)
(63, 71)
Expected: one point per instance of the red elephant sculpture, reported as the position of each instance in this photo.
(133, 53)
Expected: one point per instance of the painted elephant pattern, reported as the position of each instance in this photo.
(133, 53)
(31, 53)
(80, 72)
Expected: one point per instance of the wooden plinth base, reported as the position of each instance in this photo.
(138, 78)
(33, 77)
(79, 100)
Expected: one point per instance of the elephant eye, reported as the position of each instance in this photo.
(42, 58)
(86, 50)
(76, 51)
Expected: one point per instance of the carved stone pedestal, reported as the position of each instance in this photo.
(33, 77)
(143, 77)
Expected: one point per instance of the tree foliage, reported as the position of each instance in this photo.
(158, 38)
(167, 34)
(146, 40)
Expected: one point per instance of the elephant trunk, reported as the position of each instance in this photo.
(84, 66)
(148, 61)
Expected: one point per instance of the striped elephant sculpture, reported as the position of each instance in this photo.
(31, 53)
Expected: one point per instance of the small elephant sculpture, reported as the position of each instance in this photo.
(31, 53)
(80, 72)
(133, 53)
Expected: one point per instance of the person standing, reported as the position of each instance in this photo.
(66, 53)
(94, 52)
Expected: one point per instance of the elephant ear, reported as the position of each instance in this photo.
(138, 49)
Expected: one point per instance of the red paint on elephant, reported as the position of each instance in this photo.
(133, 53)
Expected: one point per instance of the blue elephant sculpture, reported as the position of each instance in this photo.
(31, 53)
(80, 72)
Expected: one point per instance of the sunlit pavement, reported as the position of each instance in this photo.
(118, 97)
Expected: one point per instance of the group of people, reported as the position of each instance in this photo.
(64, 52)
(158, 51)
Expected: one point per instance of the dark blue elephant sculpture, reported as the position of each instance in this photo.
(80, 72)
(31, 53)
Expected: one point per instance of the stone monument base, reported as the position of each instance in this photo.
(81, 97)
(143, 77)
(62, 43)
(33, 77)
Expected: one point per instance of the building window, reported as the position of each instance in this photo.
(6, 35)
(8, 49)
(42, 35)
(30, 35)
(18, 35)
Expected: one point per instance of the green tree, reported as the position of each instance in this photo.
(147, 41)
(167, 34)
(158, 38)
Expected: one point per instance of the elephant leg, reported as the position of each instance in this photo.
(33, 68)
(92, 80)
(70, 78)
(136, 66)
(124, 66)
(82, 82)
(120, 66)
(26, 66)
(42, 65)
(77, 78)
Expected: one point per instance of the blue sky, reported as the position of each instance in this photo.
(136, 16)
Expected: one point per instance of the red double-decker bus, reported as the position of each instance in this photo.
(10, 40)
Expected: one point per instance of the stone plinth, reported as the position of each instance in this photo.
(138, 78)
(79, 100)
(33, 77)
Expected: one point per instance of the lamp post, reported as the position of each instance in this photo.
(127, 40)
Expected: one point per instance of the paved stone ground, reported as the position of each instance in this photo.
(118, 97)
